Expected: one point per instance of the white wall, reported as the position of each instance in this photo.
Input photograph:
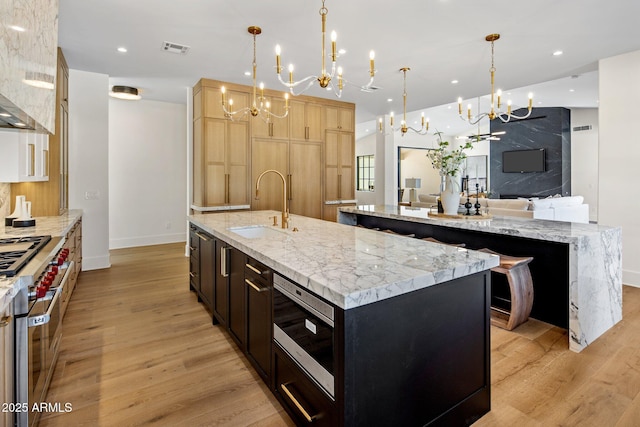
(364, 147)
(584, 158)
(147, 173)
(88, 166)
(619, 155)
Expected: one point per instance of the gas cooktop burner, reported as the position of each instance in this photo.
(16, 252)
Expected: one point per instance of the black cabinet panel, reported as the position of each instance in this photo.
(221, 285)
(237, 296)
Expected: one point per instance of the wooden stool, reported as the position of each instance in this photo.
(431, 239)
(521, 287)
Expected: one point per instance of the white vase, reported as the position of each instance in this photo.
(450, 197)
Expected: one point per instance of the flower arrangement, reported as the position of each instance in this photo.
(447, 161)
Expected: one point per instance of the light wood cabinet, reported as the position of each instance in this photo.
(275, 127)
(339, 166)
(339, 118)
(313, 148)
(306, 121)
(52, 195)
(220, 152)
(299, 162)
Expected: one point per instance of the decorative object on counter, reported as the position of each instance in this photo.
(468, 204)
(260, 107)
(424, 126)
(494, 113)
(21, 212)
(477, 205)
(325, 79)
(24, 220)
(126, 93)
(448, 162)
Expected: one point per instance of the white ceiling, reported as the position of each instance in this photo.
(440, 40)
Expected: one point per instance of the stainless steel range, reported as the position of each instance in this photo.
(41, 262)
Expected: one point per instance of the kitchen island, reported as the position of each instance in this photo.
(577, 268)
(411, 330)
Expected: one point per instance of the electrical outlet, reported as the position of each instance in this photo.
(92, 195)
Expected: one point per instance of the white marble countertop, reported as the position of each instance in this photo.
(48, 225)
(540, 229)
(348, 266)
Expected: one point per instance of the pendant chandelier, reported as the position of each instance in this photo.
(326, 80)
(260, 107)
(424, 123)
(495, 108)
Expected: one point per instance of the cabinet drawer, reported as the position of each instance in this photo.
(258, 271)
(305, 402)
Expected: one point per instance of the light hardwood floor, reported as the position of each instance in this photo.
(138, 349)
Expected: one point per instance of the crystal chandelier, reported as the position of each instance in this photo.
(260, 107)
(495, 108)
(324, 79)
(424, 125)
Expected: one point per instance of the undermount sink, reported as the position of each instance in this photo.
(256, 231)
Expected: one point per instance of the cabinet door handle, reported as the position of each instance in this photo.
(223, 262)
(304, 413)
(271, 129)
(254, 286)
(226, 188)
(252, 268)
(306, 132)
(32, 160)
(5, 321)
(290, 189)
(203, 237)
(339, 186)
(192, 274)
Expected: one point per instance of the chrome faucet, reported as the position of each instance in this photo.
(285, 210)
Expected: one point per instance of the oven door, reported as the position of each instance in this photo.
(303, 333)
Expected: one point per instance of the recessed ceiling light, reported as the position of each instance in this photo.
(17, 28)
(572, 90)
(557, 53)
(122, 49)
(449, 107)
(5, 114)
(247, 73)
(453, 82)
(389, 100)
(342, 51)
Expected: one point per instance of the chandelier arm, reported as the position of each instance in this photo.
(421, 131)
(294, 84)
(521, 117)
(232, 114)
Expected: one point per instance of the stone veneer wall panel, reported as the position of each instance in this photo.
(548, 128)
(31, 51)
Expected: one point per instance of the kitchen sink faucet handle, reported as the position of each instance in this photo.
(275, 220)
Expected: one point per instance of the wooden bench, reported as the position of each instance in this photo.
(521, 287)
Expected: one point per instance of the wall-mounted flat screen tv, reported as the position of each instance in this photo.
(523, 161)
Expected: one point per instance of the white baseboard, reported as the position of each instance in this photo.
(631, 278)
(96, 263)
(130, 242)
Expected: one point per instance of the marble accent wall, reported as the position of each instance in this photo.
(548, 128)
(5, 202)
(32, 51)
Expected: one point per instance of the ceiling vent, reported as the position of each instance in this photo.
(579, 128)
(175, 48)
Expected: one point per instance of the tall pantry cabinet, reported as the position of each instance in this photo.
(313, 148)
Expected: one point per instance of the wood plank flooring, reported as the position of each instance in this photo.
(138, 349)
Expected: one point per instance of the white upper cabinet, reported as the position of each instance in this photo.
(24, 156)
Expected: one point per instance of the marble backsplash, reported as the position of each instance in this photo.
(25, 53)
(5, 199)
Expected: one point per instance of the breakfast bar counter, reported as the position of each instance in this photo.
(577, 268)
